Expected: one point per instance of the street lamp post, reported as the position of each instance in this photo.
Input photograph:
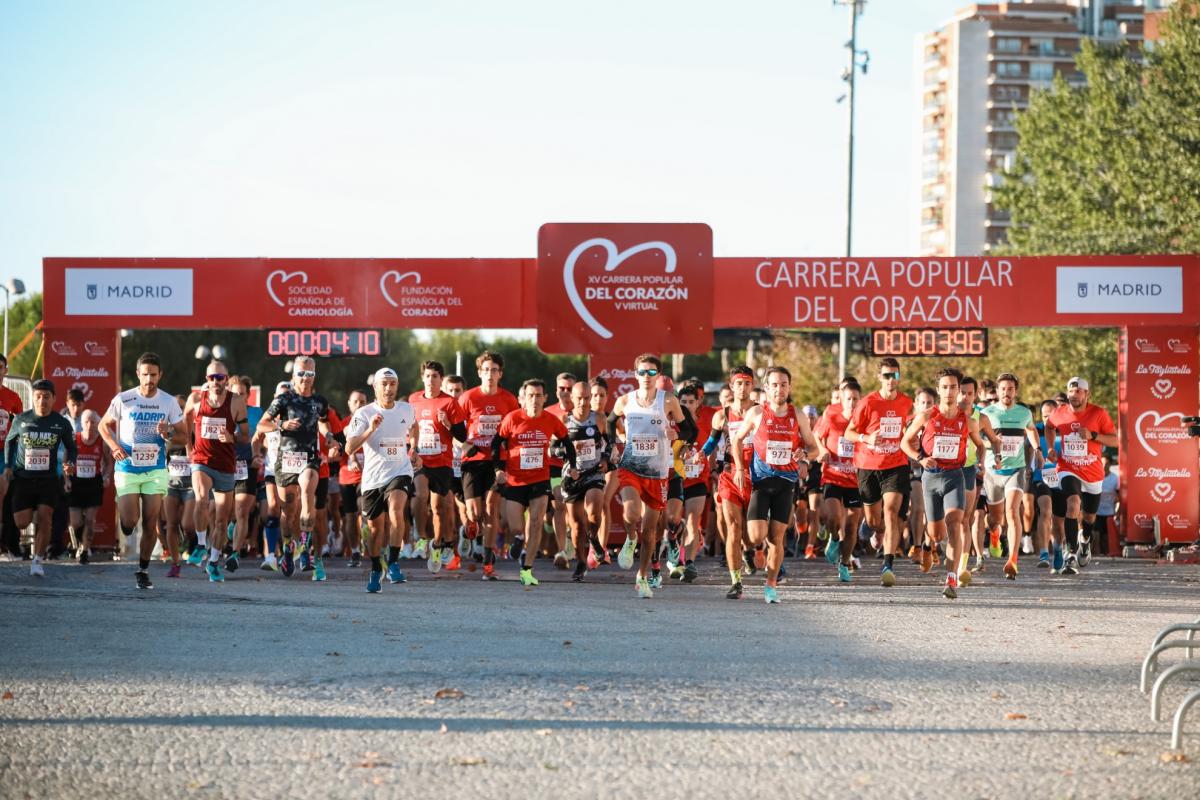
(14, 286)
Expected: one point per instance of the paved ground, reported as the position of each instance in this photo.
(267, 687)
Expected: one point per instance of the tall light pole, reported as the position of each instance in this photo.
(855, 63)
(14, 286)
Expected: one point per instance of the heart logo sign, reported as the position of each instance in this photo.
(394, 277)
(283, 277)
(1157, 431)
(1142, 521)
(1178, 346)
(1145, 345)
(1176, 521)
(1163, 388)
(1163, 492)
(614, 259)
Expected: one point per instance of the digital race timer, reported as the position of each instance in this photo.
(325, 344)
(929, 341)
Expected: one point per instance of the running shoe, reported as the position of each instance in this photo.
(689, 572)
(477, 550)
(1058, 560)
(672, 552)
(489, 572)
(914, 554)
(1010, 569)
(355, 560)
(84, 555)
(447, 555)
(231, 563)
(1044, 561)
(433, 562)
(174, 571)
(950, 591)
(643, 588)
(306, 564)
(594, 559)
(855, 563)
(214, 573)
(887, 577)
(809, 555)
(926, 559)
(517, 548)
(822, 533)
(1085, 552)
(832, 549)
(770, 595)
(843, 573)
(625, 558)
(196, 557)
(406, 552)
(782, 574)
(35, 569)
(1027, 544)
(655, 580)
(527, 578)
(318, 569)
(394, 574)
(143, 580)
(375, 582)
(287, 564)
(420, 549)
(735, 592)
(675, 571)
(455, 564)
(580, 571)
(269, 564)
(465, 545)
(1071, 567)
(994, 548)
(978, 565)
(560, 560)
(964, 577)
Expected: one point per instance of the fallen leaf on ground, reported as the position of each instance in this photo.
(551, 767)
(1015, 715)
(470, 762)
(998, 695)
(1174, 757)
(7, 696)
(449, 694)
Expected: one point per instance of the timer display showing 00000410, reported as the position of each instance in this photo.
(325, 343)
(929, 342)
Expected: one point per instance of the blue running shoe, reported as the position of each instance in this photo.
(843, 573)
(318, 569)
(770, 595)
(782, 573)
(196, 557)
(306, 564)
(394, 574)
(887, 577)
(673, 551)
(832, 550)
(287, 564)
(231, 563)
(214, 573)
(375, 582)
(1058, 560)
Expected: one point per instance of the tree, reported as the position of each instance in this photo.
(23, 317)
(1113, 166)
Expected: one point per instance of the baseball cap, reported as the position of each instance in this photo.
(1077, 382)
(384, 372)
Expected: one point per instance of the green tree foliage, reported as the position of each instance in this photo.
(1113, 166)
(23, 316)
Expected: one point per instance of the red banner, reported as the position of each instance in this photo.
(1159, 461)
(88, 360)
(288, 293)
(956, 292)
(617, 370)
(608, 288)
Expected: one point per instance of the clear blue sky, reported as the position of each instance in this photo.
(392, 129)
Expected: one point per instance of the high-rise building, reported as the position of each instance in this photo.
(975, 73)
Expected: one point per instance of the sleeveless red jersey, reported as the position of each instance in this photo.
(945, 438)
(90, 457)
(206, 449)
(775, 441)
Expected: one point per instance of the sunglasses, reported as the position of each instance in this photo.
(650, 372)
(217, 376)
(305, 373)
(894, 376)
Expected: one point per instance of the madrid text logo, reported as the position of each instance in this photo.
(1163, 492)
(1163, 389)
(614, 259)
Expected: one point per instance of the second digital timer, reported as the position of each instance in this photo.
(325, 344)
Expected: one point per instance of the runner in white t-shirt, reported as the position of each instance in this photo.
(385, 432)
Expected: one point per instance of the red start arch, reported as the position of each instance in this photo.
(612, 290)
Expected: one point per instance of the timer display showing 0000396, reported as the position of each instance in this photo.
(929, 342)
(325, 344)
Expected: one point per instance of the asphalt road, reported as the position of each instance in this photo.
(273, 687)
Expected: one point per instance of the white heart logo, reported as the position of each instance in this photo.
(1145, 346)
(1176, 521)
(1163, 385)
(625, 388)
(83, 387)
(396, 278)
(1177, 345)
(1158, 421)
(284, 277)
(1142, 521)
(615, 259)
(1162, 489)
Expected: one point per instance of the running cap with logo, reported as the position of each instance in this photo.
(1077, 383)
(384, 372)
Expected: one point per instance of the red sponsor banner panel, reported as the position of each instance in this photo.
(617, 370)
(898, 292)
(87, 359)
(1160, 478)
(606, 288)
(287, 293)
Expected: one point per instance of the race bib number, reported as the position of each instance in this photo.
(392, 449)
(145, 455)
(889, 427)
(945, 448)
(585, 453)
(429, 442)
(1050, 476)
(532, 457)
(211, 427)
(241, 470)
(1074, 447)
(37, 459)
(292, 463)
(85, 468)
(1010, 446)
(693, 467)
(778, 453)
(178, 467)
(845, 448)
(456, 463)
(488, 425)
(644, 445)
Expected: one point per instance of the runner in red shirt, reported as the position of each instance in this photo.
(839, 479)
(93, 472)
(349, 481)
(877, 426)
(10, 407)
(562, 558)
(440, 420)
(520, 457)
(485, 406)
(733, 498)
(1085, 430)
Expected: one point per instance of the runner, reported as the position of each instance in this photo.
(179, 508)
(485, 406)
(841, 506)
(455, 386)
(10, 407)
(272, 508)
(385, 430)
(808, 503)
(733, 498)
(779, 439)
(350, 481)
(1084, 430)
(1050, 500)
(878, 424)
(968, 391)
(137, 427)
(918, 531)
(643, 416)
(522, 469)
(584, 495)
(32, 467)
(249, 459)
(697, 478)
(937, 439)
(565, 546)
(216, 421)
(440, 420)
(93, 473)
(1009, 427)
(299, 415)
